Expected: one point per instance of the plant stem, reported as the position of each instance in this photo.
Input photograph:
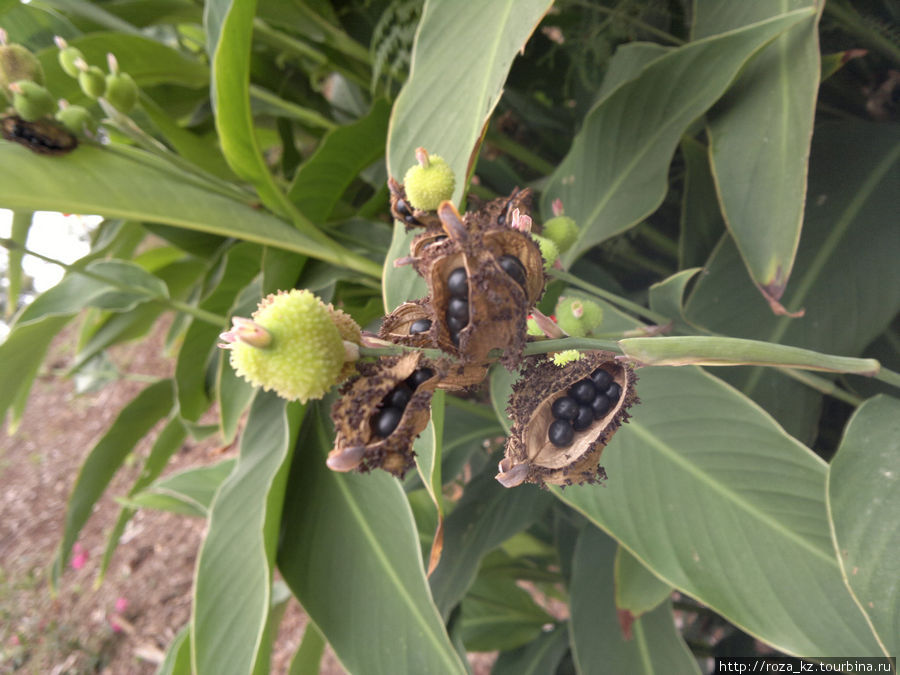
(21, 223)
(561, 344)
(299, 113)
(177, 305)
(822, 385)
(520, 153)
(612, 298)
(889, 377)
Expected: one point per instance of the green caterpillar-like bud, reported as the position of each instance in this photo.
(31, 100)
(578, 317)
(77, 119)
(295, 345)
(429, 182)
(17, 63)
(68, 57)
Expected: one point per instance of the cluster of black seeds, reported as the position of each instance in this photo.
(392, 406)
(513, 267)
(586, 401)
(458, 307)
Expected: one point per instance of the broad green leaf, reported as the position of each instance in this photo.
(636, 589)
(759, 136)
(33, 26)
(705, 488)
(864, 508)
(701, 350)
(845, 274)
(667, 297)
(400, 283)
(234, 395)
(428, 448)
(701, 219)
(487, 515)
(501, 383)
(308, 656)
(280, 596)
(350, 554)
(95, 180)
(541, 657)
(130, 285)
(188, 492)
(615, 174)
(627, 63)
(598, 643)
(131, 425)
(234, 569)
(178, 655)
(497, 614)
(340, 158)
(469, 53)
(142, 13)
(167, 443)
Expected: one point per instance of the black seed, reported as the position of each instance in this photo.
(419, 326)
(456, 324)
(561, 433)
(564, 408)
(458, 283)
(437, 239)
(583, 391)
(601, 379)
(600, 406)
(405, 213)
(513, 267)
(613, 392)
(419, 376)
(459, 309)
(584, 419)
(454, 337)
(399, 396)
(386, 420)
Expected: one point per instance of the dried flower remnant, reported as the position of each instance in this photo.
(564, 417)
(381, 411)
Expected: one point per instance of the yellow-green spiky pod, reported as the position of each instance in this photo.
(428, 183)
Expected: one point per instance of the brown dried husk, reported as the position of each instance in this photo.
(530, 456)
(356, 446)
(498, 306)
(395, 328)
(403, 211)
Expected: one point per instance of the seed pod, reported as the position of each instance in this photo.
(496, 304)
(403, 211)
(18, 63)
(363, 403)
(43, 136)
(121, 92)
(68, 57)
(32, 101)
(530, 455)
(92, 81)
(77, 119)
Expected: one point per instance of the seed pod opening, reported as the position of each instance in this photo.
(403, 211)
(381, 411)
(564, 417)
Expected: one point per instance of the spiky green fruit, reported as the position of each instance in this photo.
(578, 317)
(18, 63)
(31, 100)
(121, 92)
(293, 346)
(92, 81)
(549, 250)
(562, 230)
(429, 182)
(77, 119)
(67, 57)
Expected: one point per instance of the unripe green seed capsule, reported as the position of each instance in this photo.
(18, 63)
(77, 120)
(67, 58)
(121, 91)
(31, 100)
(92, 82)
(562, 230)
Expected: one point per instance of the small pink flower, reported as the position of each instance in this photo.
(116, 628)
(79, 557)
(121, 604)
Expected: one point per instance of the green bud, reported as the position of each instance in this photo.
(67, 60)
(429, 182)
(17, 63)
(578, 317)
(31, 100)
(91, 80)
(549, 250)
(121, 92)
(562, 230)
(77, 120)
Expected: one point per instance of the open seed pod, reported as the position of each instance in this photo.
(482, 279)
(381, 411)
(401, 326)
(538, 416)
(403, 211)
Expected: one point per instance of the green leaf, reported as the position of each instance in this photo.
(701, 350)
(428, 448)
(130, 285)
(234, 571)
(351, 555)
(131, 425)
(96, 180)
(234, 395)
(340, 158)
(616, 172)
(847, 252)
(759, 136)
(308, 656)
(636, 588)
(598, 644)
(449, 120)
(541, 657)
(701, 220)
(188, 492)
(705, 488)
(178, 655)
(487, 515)
(864, 507)
(501, 383)
(667, 297)
(497, 614)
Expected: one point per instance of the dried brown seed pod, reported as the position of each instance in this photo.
(403, 211)
(43, 136)
(374, 428)
(405, 326)
(530, 455)
(487, 308)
